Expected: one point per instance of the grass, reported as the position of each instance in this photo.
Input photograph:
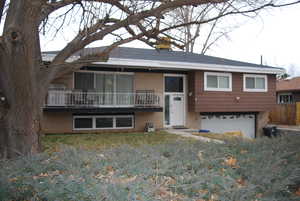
(53, 142)
(258, 170)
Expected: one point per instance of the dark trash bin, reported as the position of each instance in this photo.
(270, 131)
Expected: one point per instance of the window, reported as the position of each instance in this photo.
(255, 83)
(83, 123)
(104, 82)
(84, 81)
(123, 122)
(217, 81)
(103, 122)
(174, 84)
(285, 98)
(112, 88)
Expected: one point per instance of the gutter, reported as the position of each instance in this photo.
(189, 66)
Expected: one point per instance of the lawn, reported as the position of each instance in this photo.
(165, 168)
(53, 142)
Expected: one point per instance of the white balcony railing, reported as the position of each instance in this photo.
(68, 98)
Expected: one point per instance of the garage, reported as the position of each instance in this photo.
(216, 123)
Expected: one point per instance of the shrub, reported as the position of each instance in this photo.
(262, 170)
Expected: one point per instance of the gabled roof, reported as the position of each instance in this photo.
(167, 59)
(288, 84)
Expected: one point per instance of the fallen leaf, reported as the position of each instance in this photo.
(44, 175)
(13, 179)
(230, 161)
(203, 191)
(110, 170)
(214, 197)
(259, 195)
(244, 151)
(169, 181)
(124, 180)
(241, 182)
(298, 192)
(200, 155)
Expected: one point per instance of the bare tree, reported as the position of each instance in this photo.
(206, 35)
(25, 77)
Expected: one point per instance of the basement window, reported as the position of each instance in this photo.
(83, 123)
(103, 122)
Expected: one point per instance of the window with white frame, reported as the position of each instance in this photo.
(285, 98)
(255, 83)
(103, 122)
(217, 81)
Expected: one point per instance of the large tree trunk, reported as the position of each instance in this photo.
(20, 105)
(22, 92)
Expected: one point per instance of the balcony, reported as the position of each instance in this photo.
(70, 99)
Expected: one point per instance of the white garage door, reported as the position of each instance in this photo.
(244, 123)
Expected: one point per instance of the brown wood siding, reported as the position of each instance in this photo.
(191, 90)
(217, 101)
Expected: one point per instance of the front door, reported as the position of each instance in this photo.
(174, 100)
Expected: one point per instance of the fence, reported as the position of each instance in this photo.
(288, 114)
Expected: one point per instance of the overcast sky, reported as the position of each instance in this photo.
(275, 36)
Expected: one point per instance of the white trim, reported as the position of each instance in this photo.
(255, 76)
(104, 72)
(94, 117)
(229, 75)
(189, 65)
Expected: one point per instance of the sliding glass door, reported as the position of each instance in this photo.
(104, 87)
(124, 89)
(109, 88)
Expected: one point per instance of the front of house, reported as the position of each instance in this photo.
(165, 88)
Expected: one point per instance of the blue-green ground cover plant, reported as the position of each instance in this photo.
(239, 170)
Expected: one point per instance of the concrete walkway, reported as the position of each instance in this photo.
(288, 129)
(187, 133)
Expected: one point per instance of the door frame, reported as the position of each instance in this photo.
(170, 93)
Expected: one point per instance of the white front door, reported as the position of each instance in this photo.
(177, 109)
(174, 100)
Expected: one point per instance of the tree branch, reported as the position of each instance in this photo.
(227, 14)
(81, 40)
(2, 5)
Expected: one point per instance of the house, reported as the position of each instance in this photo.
(165, 88)
(288, 90)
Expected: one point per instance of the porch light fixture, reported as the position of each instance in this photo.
(2, 98)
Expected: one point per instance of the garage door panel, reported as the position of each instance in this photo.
(229, 123)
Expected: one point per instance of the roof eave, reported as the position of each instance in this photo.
(189, 66)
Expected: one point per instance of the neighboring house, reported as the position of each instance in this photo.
(166, 88)
(288, 90)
